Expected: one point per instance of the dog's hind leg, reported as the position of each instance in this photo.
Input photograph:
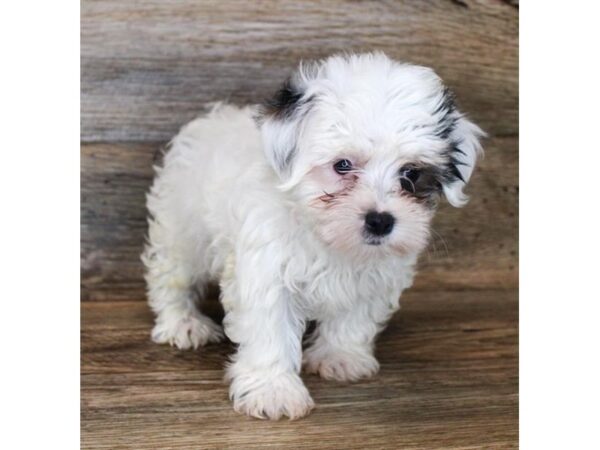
(173, 297)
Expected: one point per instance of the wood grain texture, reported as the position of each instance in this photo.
(448, 380)
(473, 247)
(148, 66)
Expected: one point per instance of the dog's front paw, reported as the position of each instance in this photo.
(190, 331)
(270, 397)
(340, 365)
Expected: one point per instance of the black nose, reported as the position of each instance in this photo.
(378, 223)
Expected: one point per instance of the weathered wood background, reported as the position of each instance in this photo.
(149, 66)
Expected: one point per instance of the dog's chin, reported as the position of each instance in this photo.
(366, 246)
(393, 245)
(383, 246)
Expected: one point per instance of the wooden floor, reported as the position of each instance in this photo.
(448, 379)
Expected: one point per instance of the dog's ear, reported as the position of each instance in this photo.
(280, 119)
(465, 149)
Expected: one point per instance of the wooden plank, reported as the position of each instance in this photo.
(148, 66)
(448, 379)
(474, 247)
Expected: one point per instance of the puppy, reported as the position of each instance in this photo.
(314, 206)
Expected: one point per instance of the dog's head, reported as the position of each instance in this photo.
(367, 145)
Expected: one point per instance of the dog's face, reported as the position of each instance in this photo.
(367, 146)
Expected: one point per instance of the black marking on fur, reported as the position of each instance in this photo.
(449, 116)
(446, 109)
(451, 172)
(427, 188)
(285, 102)
(455, 149)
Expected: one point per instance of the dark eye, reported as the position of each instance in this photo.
(410, 172)
(408, 178)
(342, 166)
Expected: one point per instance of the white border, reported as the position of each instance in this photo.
(39, 237)
(560, 225)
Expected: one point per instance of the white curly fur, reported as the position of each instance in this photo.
(259, 209)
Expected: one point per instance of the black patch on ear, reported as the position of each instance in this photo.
(285, 101)
(446, 109)
(287, 105)
(451, 171)
(449, 117)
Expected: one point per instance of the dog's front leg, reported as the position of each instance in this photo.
(342, 346)
(262, 320)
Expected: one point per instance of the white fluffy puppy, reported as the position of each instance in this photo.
(314, 206)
